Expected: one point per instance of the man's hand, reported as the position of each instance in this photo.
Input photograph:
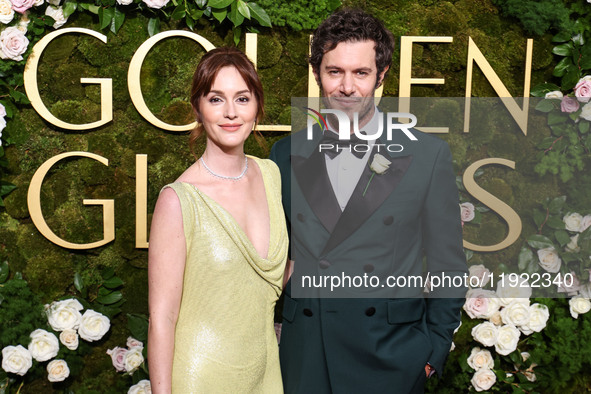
(429, 370)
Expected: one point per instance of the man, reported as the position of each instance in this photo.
(351, 219)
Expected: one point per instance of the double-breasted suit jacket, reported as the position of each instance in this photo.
(399, 224)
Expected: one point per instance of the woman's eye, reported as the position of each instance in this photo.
(215, 100)
(243, 99)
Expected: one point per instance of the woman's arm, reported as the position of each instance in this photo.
(166, 265)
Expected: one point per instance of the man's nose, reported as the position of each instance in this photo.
(347, 84)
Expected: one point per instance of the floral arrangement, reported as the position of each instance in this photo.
(129, 360)
(64, 317)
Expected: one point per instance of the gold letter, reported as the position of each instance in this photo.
(141, 201)
(133, 76)
(34, 203)
(504, 210)
(520, 115)
(32, 90)
(406, 79)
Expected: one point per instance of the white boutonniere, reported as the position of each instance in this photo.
(379, 165)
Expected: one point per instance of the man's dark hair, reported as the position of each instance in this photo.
(352, 25)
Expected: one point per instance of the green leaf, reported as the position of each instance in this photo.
(4, 271)
(563, 49)
(237, 31)
(94, 8)
(585, 61)
(179, 12)
(113, 283)
(571, 78)
(243, 9)
(543, 88)
(538, 241)
(6, 187)
(219, 3)
(561, 68)
(556, 117)
(196, 14)
(153, 26)
(107, 273)
(79, 282)
(220, 15)
(190, 22)
(236, 17)
(539, 217)
(105, 16)
(563, 36)
(138, 326)
(584, 126)
(562, 237)
(555, 222)
(117, 21)
(201, 3)
(259, 14)
(545, 106)
(556, 204)
(19, 98)
(526, 256)
(334, 4)
(110, 298)
(68, 8)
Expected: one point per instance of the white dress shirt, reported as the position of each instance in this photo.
(345, 169)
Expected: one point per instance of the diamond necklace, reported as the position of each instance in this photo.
(233, 178)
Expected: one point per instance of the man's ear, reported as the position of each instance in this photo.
(381, 76)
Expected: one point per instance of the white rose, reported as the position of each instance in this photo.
(142, 387)
(93, 326)
(585, 290)
(54, 2)
(37, 3)
(507, 339)
(508, 293)
(124, 2)
(69, 338)
(57, 13)
(481, 304)
(57, 371)
(572, 221)
(2, 126)
(379, 164)
(483, 379)
(2, 111)
(133, 359)
(16, 359)
(64, 315)
(485, 333)
(556, 94)
(480, 358)
(538, 317)
(466, 211)
(155, 3)
(44, 345)
(579, 305)
(13, 43)
(6, 12)
(516, 313)
(573, 245)
(586, 112)
(586, 222)
(132, 342)
(481, 275)
(549, 259)
(496, 319)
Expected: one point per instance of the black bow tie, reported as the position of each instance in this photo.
(331, 145)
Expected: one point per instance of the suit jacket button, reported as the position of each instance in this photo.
(308, 312)
(301, 217)
(324, 264)
(370, 311)
(368, 268)
(388, 220)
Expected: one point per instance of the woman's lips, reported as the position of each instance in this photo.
(230, 126)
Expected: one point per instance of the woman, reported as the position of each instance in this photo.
(218, 247)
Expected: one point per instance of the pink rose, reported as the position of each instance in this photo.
(583, 90)
(481, 304)
(21, 6)
(132, 342)
(467, 211)
(569, 105)
(13, 44)
(118, 357)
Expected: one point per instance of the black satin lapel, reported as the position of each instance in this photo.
(313, 180)
(360, 207)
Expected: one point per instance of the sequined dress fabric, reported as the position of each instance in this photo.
(224, 338)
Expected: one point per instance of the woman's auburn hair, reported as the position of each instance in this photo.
(203, 78)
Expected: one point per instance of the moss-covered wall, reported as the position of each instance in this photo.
(166, 76)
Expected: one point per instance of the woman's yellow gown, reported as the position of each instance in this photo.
(224, 339)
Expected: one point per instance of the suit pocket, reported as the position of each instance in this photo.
(405, 310)
(289, 308)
